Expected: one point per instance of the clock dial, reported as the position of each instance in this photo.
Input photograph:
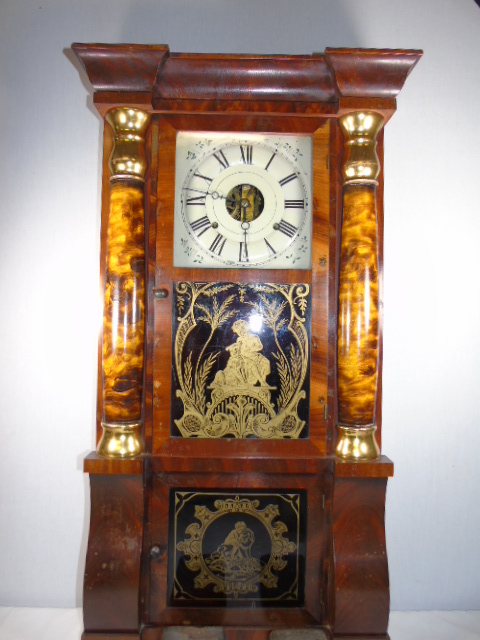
(243, 201)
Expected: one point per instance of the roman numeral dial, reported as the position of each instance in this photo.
(246, 153)
(218, 244)
(243, 201)
(288, 229)
(200, 225)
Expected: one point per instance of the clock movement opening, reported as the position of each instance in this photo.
(244, 203)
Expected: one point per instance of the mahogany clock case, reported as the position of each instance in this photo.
(253, 526)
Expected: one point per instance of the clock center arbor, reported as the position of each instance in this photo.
(238, 488)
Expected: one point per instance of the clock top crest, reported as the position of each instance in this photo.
(238, 488)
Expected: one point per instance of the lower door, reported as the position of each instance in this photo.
(236, 549)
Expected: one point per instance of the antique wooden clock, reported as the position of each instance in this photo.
(238, 489)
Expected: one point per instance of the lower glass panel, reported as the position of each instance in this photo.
(237, 548)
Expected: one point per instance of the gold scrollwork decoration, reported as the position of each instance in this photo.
(232, 568)
(250, 374)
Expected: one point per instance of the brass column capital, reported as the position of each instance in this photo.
(360, 130)
(128, 158)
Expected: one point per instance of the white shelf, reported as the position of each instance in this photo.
(18, 623)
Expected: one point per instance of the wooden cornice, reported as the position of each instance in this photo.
(320, 84)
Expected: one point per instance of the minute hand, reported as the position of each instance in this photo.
(245, 226)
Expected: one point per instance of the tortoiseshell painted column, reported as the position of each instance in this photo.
(358, 327)
(124, 300)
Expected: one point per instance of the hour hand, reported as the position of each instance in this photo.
(218, 196)
(243, 252)
(215, 195)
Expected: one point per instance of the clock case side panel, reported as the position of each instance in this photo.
(322, 259)
(160, 271)
(151, 204)
(112, 577)
(359, 588)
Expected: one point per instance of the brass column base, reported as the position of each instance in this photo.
(120, 440)
(357, 443)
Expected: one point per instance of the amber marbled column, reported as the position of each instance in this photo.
(124, 299)
(358, 332)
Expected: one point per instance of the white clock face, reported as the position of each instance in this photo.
(243, 201)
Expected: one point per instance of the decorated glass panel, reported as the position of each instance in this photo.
(241, 360)
(229, 548)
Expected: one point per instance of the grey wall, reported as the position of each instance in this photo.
(50, 305)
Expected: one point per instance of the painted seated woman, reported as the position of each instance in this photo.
(245, 366)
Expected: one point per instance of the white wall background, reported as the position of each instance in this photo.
(49, 303)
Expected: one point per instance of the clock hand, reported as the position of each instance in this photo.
(245, 226)
(196, 190)
(215, 195)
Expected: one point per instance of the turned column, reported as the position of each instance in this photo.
(358, 313)
(124, 296)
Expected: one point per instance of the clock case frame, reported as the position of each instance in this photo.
(346, 577)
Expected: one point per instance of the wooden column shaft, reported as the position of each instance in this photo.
(124, 305)
(358, 308)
